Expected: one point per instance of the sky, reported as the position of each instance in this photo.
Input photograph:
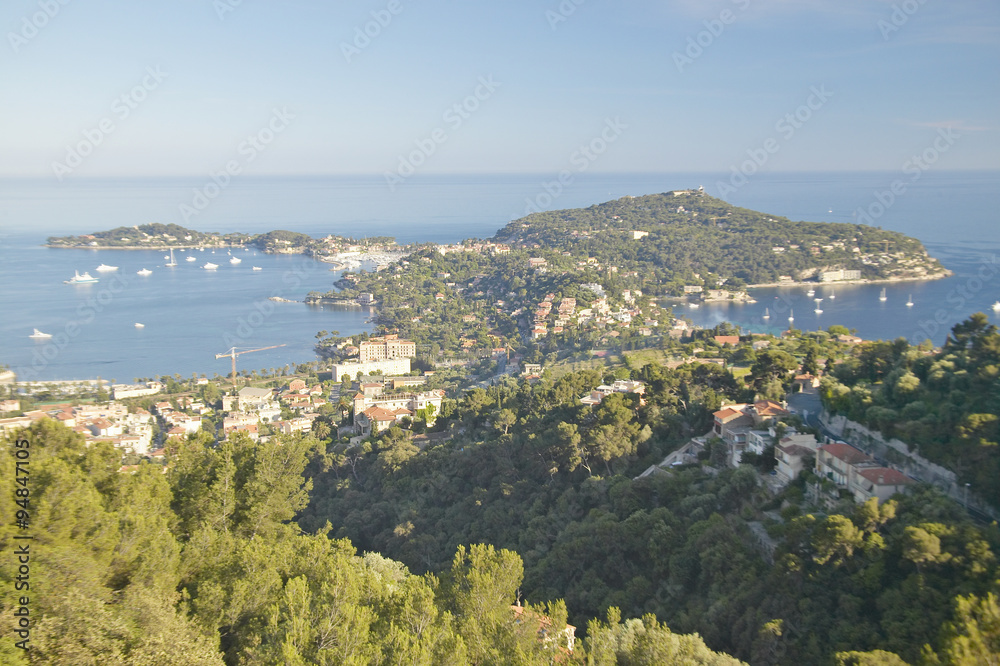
(104, 88)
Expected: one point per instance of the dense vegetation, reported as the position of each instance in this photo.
(530, 469)
(697, 234)
(202, 566)
(944, 404)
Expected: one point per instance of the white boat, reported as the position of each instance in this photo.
(86, 278)
(210, 266)
(235, 260)
(818, 309)
(257, 268)
(882, 296)
(38, 335)
(767, 313)
(172, 262)
(104, 268)
(791, 316)
(693, 306)
(138, 325)
(191, 259)
(145, 271)
(909, 301)
(832, 296)
(811, 292)
(996, 306)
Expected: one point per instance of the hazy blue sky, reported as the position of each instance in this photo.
(882, 77)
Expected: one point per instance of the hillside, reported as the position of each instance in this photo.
(680, 235)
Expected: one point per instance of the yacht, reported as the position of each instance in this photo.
(210, 266)
(38, 335)
(693, 306)
(811, 292)
(191, 259)
(86, 278)
(235, 260)
(138, 325)
(172, 262)
(104, 268)
(882, 296)
(767, 313)
(257, 268)
(145, 271)
(909, 301)
(996, 306)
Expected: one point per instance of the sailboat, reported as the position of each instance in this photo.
(818, 309)
(882, 296)
(832, 295)
(791, 316)
(909, 301)
(767, 313)
(811, 292)
(171, 262)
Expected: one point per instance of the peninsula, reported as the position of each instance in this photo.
(165, 236)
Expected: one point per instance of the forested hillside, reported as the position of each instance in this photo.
(201, 565)
(944, 405)
(532, 470)
(692, 233)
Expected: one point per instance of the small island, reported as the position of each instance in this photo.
(156, 236)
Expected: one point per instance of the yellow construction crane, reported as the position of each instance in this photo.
(232, 353)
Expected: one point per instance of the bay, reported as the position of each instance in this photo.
(191, 314)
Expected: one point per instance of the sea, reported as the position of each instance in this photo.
(190, 315)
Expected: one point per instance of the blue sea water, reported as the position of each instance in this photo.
(191, 314)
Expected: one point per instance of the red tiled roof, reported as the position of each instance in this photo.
(846, 452)
(769, 408)
(885, 476)
(727, 413)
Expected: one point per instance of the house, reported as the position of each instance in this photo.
(723, 340)
(792, 454)
(806, 381)
(837, 462)
(563, 640)
(729, 417)
(619, 386)
(253, 398)
(880, 483)
(296, 386)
